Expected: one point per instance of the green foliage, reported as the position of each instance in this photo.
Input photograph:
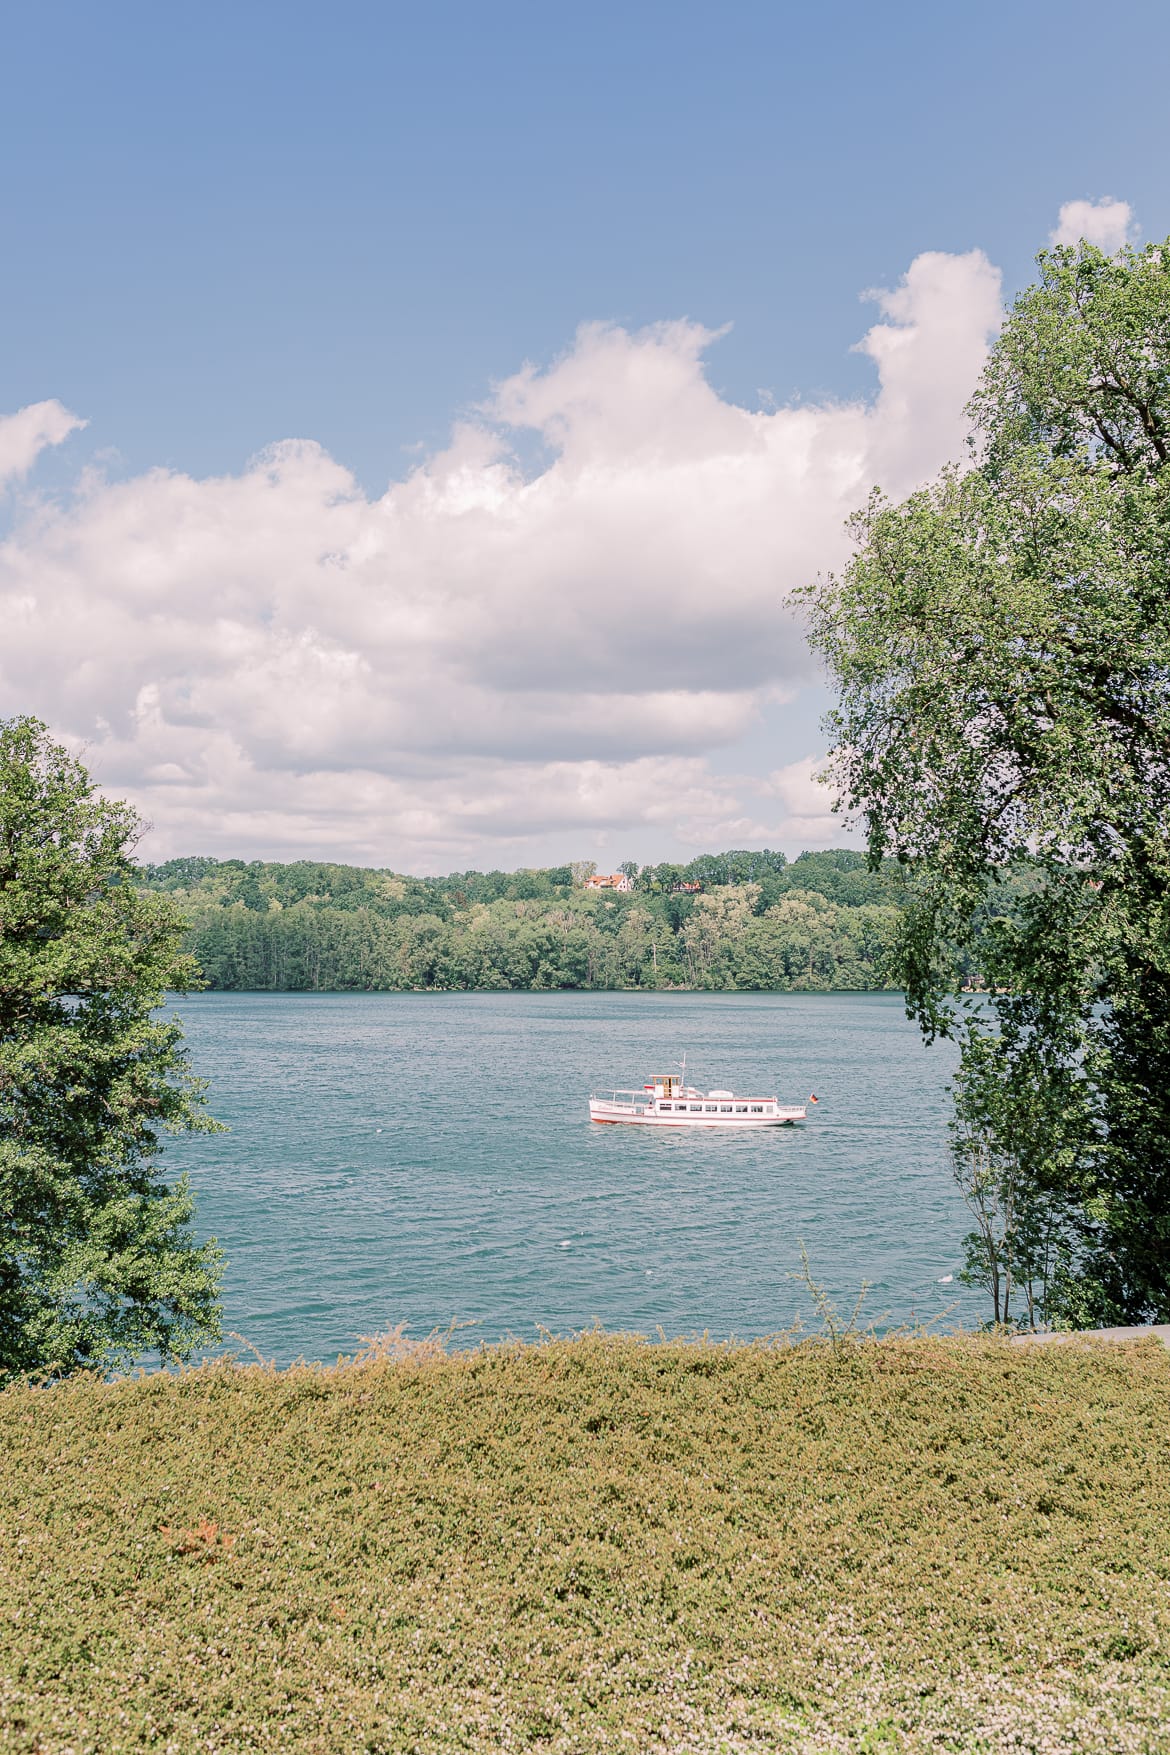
(823, 922)
(595, 1545)
(96, 1262)
(1002, 643)
(1082, 370)
(1014, 1141)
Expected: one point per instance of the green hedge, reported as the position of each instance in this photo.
(594, 1545)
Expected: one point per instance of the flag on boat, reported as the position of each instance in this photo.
(813, 1098)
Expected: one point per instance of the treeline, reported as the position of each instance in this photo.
(821, 922)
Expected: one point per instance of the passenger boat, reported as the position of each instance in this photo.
(668, 1101)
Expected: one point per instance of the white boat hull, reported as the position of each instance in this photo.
(650, 1114)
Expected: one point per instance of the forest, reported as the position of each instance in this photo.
(757, 921)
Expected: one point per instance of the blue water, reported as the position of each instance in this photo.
(428, 1158)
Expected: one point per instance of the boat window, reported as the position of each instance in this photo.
(725, 1108)
(696, 1109)
(757, 1108)
(666, 1105)
(741, 1109)
(712, 1109)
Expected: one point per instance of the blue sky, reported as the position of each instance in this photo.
(231, 226)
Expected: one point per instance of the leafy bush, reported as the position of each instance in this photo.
(917, 1544)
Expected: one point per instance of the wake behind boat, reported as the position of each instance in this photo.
(668, 1101)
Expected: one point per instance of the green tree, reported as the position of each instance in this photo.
(1002, 645)
(97, 1263)
(1012, 1139)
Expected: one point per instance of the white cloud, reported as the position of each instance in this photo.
(24, 435)
(1106, 223)
(929, 354)
(807, 802)
(484, 663)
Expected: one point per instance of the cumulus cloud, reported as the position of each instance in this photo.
(807, 802)
(24, 435)
(488, 661)
(1106, 223)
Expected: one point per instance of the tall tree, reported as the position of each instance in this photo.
(1002, 645)
(97, 1261)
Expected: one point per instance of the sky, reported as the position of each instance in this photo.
(413, 420)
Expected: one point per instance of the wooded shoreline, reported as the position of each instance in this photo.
(731, 922)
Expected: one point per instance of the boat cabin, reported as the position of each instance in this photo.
(665, 1085)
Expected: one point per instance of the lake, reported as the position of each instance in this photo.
(428, 1158)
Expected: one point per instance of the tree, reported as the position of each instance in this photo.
(1015, 1116)
(97, 1262)
(1002, 645)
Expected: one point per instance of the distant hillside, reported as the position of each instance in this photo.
(736, 920)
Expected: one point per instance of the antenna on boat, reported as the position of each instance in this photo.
(683, 1064)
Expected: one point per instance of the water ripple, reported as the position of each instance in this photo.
(423, 1157)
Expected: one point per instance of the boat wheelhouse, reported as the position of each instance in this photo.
(668, 1101)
